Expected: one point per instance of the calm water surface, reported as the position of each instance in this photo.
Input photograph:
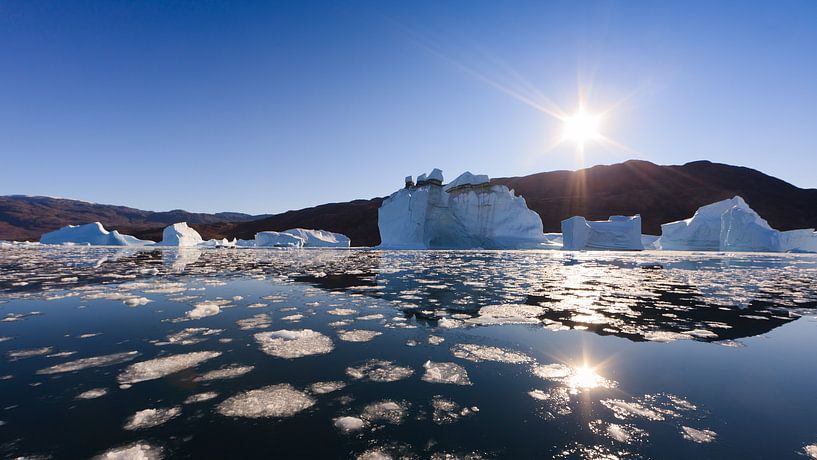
(381, 354)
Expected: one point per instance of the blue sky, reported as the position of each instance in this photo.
(264, 107)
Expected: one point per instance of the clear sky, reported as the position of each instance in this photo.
(262, 107)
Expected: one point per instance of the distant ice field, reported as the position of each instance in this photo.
(325, 353)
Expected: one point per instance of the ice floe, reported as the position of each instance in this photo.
(148, 418)
(136, 451)
(446, 372)
(379, 370)
(200, 397)
(357, 335)
(479, 353)
(291, 344)
(230, 372)
(259, 321)
(85, 363)
(161, 367)
(386, 411)
(447, 411)
(93, 393)
(320, 388)
(348, 424)
(272, 401)
(698, 436)
(508, 314)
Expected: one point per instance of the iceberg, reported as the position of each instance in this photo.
(731, 225)
(93, 234)
(616, 233)
(278, 239)
(222, 243)
(470, 212)
(181, 235)
(320, 238)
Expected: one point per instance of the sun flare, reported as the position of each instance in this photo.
(581, 127)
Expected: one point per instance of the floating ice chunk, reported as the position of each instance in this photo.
(435, 340)
(447, 411)
(320, 388)
(616, 233)
(85, 363)
(294, 343)
(190, 336)
(14, 355)
(320, 238)
(135, 451)
(623, 409)
(259, 321)
(5, 339)
(698, 436)
(205, 309)
(478, 353)
(665, 336)
(149, 418)
(93, 393)
(508, 314)
(445, 373)
(810, 451)
(348, 424)
(376, 454)
(224, 373)
(378, 370)
(357, 335)
(180, 235)
(387, 411)
(293, 318)
(370, 317)
(93, 234)
(342, 311)
(272, 401)
(161, 367)
(136, 301)
(555, 372)
(617, 432)
(449, 323)
(200, 397)
(278, 240)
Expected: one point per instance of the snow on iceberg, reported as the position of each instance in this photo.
(320, 238)
(470, 212)
(278, 239)
(93, 234)
(181, 235)
(731, 225)
(619, 232)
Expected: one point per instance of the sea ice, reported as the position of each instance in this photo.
(320, 388)
(508, 314)
(93, 393)
(161, 367)
(200, 397)
(378, 370)
(616, 233)
(85, 363)
(445, 373)
(468, 213)
(149, 418)
(93, 234)
(180, 235)
(348, 424)
(136, 451)
(357, 335)
(320, 238)
(479, 353)
(387, 411)
(280, 400)
(205, 309)
(259, 321)
(294, 343)
(698, 436)
(14, 355)
(224, 373)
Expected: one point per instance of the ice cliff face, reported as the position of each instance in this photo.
(616, 233)
(731, 225)
(180, 235)
(93, 234)
(467, 213)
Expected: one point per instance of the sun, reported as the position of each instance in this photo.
(581, 127)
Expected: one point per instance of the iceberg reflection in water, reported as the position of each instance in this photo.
(417, 354)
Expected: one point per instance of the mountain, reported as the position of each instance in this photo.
(659, 193)
(28, 217)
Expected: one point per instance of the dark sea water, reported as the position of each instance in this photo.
(414, 354)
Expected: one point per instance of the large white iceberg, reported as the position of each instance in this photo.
(470, 212)
(617, 233)
(181, 235)
(93, 234)
(278, 239)
(731, 225)
(320, 238)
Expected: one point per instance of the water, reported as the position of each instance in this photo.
(358, 353)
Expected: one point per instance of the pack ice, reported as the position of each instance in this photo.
(469, 212)
(180, 234)
(93, 234)
(616, 233)
(731, 225)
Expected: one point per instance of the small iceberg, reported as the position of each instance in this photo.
(278, 240)
(181, 235)
(93, 234)
(320, 238)
(616, 233)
